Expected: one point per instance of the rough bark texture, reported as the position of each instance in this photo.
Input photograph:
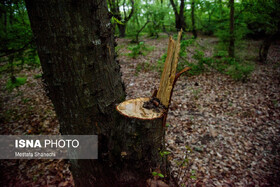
(140, 144)
(179, 16)
(193, 19)
(76, 48)
(231, 31)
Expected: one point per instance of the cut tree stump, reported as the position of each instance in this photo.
(144, 124)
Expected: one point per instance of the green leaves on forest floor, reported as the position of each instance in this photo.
(17, 82)
(193, 55)
(139, 49)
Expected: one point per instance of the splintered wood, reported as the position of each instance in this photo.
(133, 108)
(169, 71)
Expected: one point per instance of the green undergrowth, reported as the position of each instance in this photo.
(236, 68)
(139, 49)
(15, 83)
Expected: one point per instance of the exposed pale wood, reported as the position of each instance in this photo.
(143, 130)
(133, 108)
(169, 71)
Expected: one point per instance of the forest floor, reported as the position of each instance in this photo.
(220, 132)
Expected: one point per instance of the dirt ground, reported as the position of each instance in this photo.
(220, 132)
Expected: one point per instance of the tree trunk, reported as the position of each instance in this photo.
(180, 23)
(221, 8)
(231, 31)
(76, 49)
(179, 16)
(193, 20)
(138, 32)
(264, 48)
(121, 30)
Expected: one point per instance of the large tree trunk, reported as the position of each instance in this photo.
(231, 31)
(76, 48)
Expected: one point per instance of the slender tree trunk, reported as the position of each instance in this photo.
(182, 22)
(221, 8)
(122, 28)
(193, 20)
(137, 35)
(5, 22)
(76, 49)
(231, 31)
(179, 15)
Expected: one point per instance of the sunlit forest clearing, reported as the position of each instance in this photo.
(223, 122)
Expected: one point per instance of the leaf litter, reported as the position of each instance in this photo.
(220, 133)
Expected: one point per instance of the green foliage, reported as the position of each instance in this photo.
(17, 50)
(196, 93)
(157, 174)
(164, 153)
(261, 17)
(139, 49)
(37, 76)
(240, 72)
(117, 21)
(10, 85)
(184, 45)
(145, 66)
(160, 63)
(193, 175)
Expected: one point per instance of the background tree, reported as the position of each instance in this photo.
(16, 37)
(179, 15)
(263, 20)
(193, 19)
(123, 17)
(231, 31)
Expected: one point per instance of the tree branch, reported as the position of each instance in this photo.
(131, 12)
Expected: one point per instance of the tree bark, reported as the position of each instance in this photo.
(264, 48)
(231, 31)
(193, 19)
(179, 16)
(76, 49)
(121, 30)
(138, 32)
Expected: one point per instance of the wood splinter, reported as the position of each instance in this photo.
(157, 105)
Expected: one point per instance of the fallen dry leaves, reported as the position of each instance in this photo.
(29, 111)
(221, 132)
